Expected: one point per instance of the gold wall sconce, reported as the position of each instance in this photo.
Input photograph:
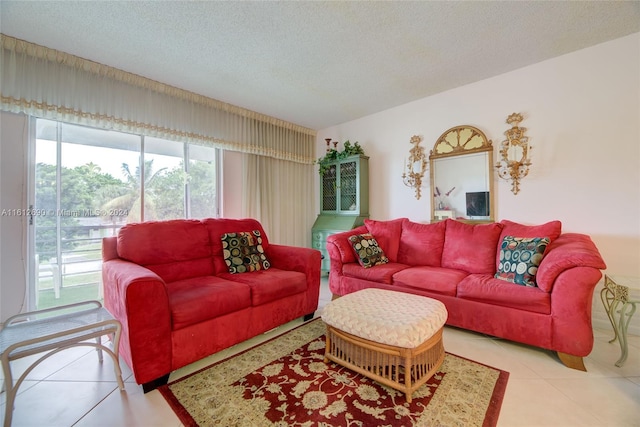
(415, 166)
(513, 163)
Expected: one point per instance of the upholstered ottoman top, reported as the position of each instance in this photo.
(393, 318)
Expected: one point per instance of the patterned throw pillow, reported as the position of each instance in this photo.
(243, 252)
(367, 250)
(520, 258)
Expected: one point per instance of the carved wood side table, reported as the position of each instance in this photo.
(620, 296)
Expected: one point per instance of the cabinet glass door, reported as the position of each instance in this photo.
(329, 188)
(348, 186)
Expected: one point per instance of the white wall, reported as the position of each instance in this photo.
(582, 114)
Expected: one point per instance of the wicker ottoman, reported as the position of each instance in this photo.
(391, 337)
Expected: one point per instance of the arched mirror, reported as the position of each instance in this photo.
(461, 173)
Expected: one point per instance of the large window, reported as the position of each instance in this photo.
(90, 182)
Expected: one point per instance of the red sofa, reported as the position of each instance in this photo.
(167, 282)
(455, 262)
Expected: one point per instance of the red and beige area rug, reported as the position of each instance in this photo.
(284, 382)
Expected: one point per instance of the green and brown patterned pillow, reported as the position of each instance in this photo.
(368, 253)
(243, 252)
(520, 258)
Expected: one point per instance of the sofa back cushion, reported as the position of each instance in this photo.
(218, 227)
(387, 233)
(421, 244)
(471, 247)
(174, 250)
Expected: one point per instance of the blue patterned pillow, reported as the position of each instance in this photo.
(520, 258)
(368, 253)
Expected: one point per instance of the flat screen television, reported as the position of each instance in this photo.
(478, 203)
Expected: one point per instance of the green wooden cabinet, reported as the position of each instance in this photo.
(344, 187)
(344, 201)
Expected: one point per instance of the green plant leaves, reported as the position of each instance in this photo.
(333, 154)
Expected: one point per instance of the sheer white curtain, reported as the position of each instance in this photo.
(52, 84)
(279, 193)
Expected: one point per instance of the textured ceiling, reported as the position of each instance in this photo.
(318, 64)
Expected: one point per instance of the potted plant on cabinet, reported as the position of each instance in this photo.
(333, 154)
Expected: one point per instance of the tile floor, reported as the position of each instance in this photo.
(73, 389)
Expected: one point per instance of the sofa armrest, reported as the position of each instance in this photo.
(303, 260)
(294, 258)
(339, 247)
(138, 298)
(571, 309)
(340, 252)
(109, 248)
(568, 251)
(570, 271)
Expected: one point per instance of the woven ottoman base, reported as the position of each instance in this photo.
(386, 364)
(404, 368)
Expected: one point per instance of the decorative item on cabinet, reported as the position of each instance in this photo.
(415, 167)
(441, 201)
(514, 159)
(344, 195)
(443, 214)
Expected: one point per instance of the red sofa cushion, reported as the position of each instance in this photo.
(471, 247)
(174, 249)
(551, 229)
(487, 289)
(387, 233)
(270, 285)
(434, 279)
(380, 273)
(421, 244)
(198, 299)
(159, 242)
(170, 272)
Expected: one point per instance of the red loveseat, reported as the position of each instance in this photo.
(167, 282)
(455, 262)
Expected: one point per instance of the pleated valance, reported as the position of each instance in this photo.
(48, 83)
